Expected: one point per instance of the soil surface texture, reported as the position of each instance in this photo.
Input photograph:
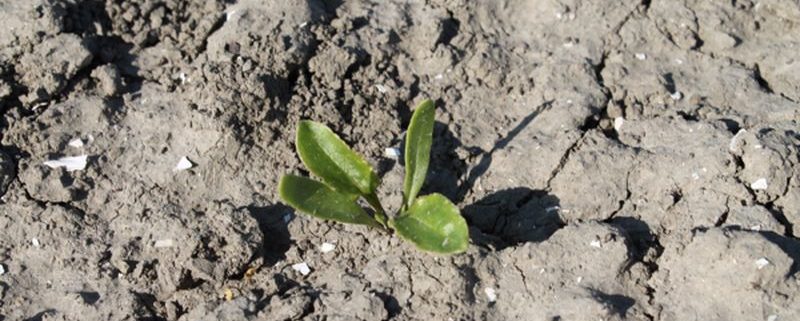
(615, 160)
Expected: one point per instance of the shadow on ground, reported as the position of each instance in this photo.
(514, 216)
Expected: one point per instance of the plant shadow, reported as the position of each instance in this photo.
(273, 221)
(513, 216)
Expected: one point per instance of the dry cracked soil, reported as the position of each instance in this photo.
(615, 160)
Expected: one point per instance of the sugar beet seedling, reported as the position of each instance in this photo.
(431, 222)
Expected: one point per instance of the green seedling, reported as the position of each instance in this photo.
(431, 222)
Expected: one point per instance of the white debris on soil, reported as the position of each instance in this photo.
(596, 243)
(2, 270)
(734, 140)
(305, 23)
(327, 247)
(641, 56)
(35, 242)
(552, 209)
(71, 163)
(761, 263)
(695, 176)
(491, 295)
(579, 279)
(77, 143)
(438, 76)
(677, 95)
(381, 88)
(759, 184)
(391, 152)
(183, 164)
(164, 243)
(772, 317)
(618, 123)
(301, 267)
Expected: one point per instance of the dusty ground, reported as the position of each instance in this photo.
(616, 160)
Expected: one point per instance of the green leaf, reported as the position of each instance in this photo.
(314, 198)
(433, 224)
(419, 139)
(329, 158)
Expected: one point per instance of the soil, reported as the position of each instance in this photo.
(615, 160)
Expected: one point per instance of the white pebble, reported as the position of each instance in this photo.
(618, 123)
(438, 76)
(596, 243)
(772, 317)
(305, 23)
(71, 163)
(381, 88)
(491, 295)
(302, 268)
(640, 56)
(580, 278)
(391, 152)
(677, 95)
(183, 164)
(35, 242)
(164, 243)
(2, 270)
(759, 184)
(77, 143)
(327, 247)
(695, 176)
(761, 263)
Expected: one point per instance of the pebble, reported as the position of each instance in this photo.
(71, 163)
(381, 88)
(676, 95)
(77, 143)
(759, 184)
(301, 267)
(772, 317)
(327, 247)
(491, 295)
(391, 152)
(761, 263)
(618, 123)
(2, 269)
(595, 243)
(164, 243)
(35, 242)
(183, 164)
(640, 56)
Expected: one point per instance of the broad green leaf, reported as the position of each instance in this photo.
(419, 138)
(433, 224)
(316, 199)
(329, 158)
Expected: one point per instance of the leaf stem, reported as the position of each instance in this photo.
(380, 214)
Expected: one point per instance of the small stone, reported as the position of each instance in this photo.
(183, 164)
(759, 184)
(164, 243)
(302, 268)
(772, 317)
(640, 56)
(77, 143)
(761, 263)
(381, 88)
(326, 247)
(2, 269)
(35, 242)
(677, 95)
(391, 152)
(735, 140)
(596, 243)
(71, 163)
(618, 123)
(491, 295)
